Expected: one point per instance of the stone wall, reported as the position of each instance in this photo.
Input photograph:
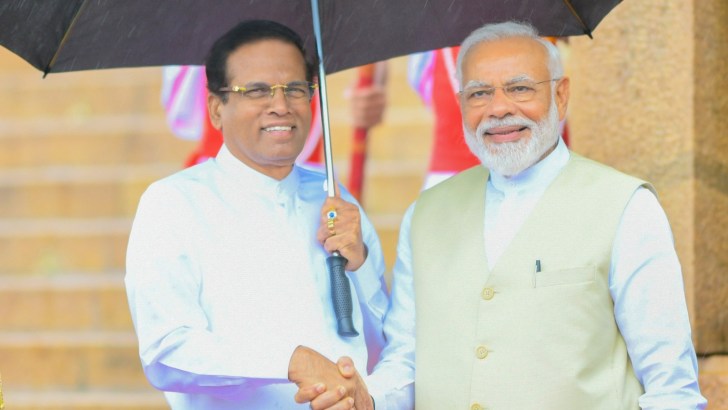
(649, 98)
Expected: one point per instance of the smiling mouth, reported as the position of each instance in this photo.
(277, 128)
(504, 131)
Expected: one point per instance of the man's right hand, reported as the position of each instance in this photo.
(327, 385)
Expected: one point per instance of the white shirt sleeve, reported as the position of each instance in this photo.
(649, 306)
(177, 350)
(392, 383)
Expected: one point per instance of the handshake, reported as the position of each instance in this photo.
(325, 384)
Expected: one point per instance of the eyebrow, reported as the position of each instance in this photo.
(474, 84)
(264, 84)
(516, 79)
(256, 84)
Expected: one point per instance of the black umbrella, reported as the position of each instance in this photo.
(74, 35)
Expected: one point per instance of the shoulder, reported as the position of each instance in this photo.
(313, 183)
(181, 183)
(577, 160)
(596, 178)
(311, 176)
(462, 181)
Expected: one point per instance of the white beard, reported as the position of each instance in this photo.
(511, 158)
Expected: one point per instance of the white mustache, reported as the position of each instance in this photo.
(504, 122)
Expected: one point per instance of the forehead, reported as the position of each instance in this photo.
(268, 60)
(498, 61)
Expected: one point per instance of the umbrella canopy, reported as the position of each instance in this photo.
(73, 35)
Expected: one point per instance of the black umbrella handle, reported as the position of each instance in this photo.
(341, 295)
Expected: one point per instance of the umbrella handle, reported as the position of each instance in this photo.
(341, 295)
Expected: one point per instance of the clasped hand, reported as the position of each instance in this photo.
(325, 384)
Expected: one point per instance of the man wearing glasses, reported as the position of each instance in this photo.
(226, 266)
(541, 279)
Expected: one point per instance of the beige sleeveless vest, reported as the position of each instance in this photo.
(512, 338)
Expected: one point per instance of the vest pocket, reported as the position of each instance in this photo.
(571, 276)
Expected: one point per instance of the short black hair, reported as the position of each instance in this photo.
(246, 32)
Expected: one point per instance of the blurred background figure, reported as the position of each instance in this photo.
(432, 75)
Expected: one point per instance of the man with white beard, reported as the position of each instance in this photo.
(541, 279)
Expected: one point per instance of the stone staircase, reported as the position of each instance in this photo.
(76, 152)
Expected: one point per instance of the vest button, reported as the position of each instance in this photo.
(476, 406)
(487, 293)
(481, 352)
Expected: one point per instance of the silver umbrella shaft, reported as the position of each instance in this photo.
(328, 157)
(340, 289)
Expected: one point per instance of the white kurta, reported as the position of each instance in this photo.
(225, 279)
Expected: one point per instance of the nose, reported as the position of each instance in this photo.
(500, 106)
(278, 102)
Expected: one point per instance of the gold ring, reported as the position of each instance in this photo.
(330, 219)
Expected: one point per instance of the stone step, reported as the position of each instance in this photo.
(100, 140)
(77, 94)
(142, 399)
(64, 302)
(77, 191)
(57, 245)
(90, 94)
(70, 361)
(391, 186)
(714, 380)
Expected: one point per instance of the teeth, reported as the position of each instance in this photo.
(278, 128)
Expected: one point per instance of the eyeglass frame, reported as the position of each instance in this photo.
(273, 87)
(503, 87)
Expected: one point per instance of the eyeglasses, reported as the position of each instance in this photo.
(520, 91)
(296, 90)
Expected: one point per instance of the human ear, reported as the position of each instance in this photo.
(214, 108)
(562, 97)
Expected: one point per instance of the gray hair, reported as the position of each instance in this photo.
(498, 31)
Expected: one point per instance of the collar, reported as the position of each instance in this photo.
(541, 174)
(251, 180)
